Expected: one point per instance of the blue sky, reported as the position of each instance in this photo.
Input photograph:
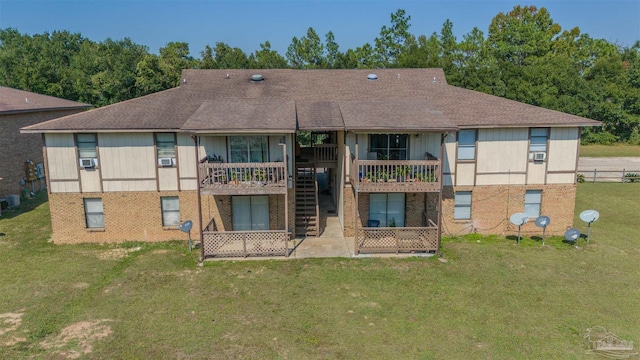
(246, 24)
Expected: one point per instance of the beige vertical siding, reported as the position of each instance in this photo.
(187, 163)
(563, 149)
(422, 143)
(127, 156)
(90, 180)
(449, 159)
(568, 178)
(536, 173)
(501, 179)
(502, 150)
(64, 186)
(128, 185)
(168, 179)
(465, 174)
(62, 157)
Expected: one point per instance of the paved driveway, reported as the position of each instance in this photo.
(607, 168)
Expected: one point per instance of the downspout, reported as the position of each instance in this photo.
(356, 191)
(197, 146)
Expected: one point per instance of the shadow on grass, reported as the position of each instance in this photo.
(26, 205)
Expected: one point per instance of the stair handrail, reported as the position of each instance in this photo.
(317, 207)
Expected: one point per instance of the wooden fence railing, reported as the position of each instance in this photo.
(596, 175)
(397, 239)
(245, 243)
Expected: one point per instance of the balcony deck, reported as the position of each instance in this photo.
(243, 178)
(396, 175)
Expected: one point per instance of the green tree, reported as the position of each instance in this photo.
(306, 52)
(173, 58)
(393, 40)
(265, 58)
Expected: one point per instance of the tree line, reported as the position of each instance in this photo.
(525, 56)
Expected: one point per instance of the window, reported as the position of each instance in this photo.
(532, 201)
(94, 213)
(538, 141)
(248, 149)
(467, 144)
(388, 208)
(389, 146)
(166, 148)
(170, 210)
(87, 146)
(250, 212)
(462, 205)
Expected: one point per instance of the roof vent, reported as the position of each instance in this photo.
(372, 77)
(257, 77)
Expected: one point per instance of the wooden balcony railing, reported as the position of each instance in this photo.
(245, 243)
(238, 178)
(397, 239)
(396, 175)
(325, 155)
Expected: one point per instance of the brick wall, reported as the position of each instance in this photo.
(128, 216)
(16, 148)
(491, 207)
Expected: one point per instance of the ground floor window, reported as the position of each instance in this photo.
(94, 213)
(387, 208)
(532, 201)
(170, 210)
(462, 205)
(250, 212)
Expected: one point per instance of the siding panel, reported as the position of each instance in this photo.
(61, 155)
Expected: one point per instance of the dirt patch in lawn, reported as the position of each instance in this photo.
(9, 323)
(116, 254)
(77, 340)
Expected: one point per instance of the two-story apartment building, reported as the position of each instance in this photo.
(406, 157)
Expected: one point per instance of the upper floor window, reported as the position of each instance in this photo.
(538, 143)
(166, 149)
(467, 144)
(389, 146)
(87, 150)
(248, 149)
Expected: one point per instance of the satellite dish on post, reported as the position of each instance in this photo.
(543, 221)
(589, 216)
(572, 235)
(519, 219)
(186, 227)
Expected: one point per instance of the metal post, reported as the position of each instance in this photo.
(543, 231)
(595, 174)
(588, 232)
(519, 234)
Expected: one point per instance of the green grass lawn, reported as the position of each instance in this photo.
(610, 151)
(492, 299)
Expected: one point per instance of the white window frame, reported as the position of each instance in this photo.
(538, 139)
(93, 213)
(170, 206)
(386, 217)
(165, 147)
(467, 139)
(462, 205)
(87, 144)
(533, 203)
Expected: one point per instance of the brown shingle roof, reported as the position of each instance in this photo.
(400, 99)
(16, 101)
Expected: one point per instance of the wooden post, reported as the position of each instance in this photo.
(200, 229)
(442, 137)
(355, 185)
(286, 200)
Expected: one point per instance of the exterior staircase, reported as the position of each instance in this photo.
(307, 210)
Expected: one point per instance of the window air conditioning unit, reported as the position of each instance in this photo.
(165, 161)
(539, 156)
(88, 163)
